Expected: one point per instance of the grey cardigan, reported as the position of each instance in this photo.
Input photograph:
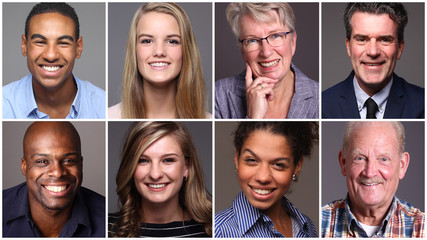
(230, 97)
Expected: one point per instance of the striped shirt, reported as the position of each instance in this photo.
(244, 220)
(402, 221)
(189, 228)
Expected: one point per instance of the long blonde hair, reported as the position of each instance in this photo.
(193, 196)
(190, 95)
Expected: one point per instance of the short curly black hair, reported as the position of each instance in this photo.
(53, 7)
(300, 135)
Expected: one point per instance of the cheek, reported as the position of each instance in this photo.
(176, 55)
(140, 173)
(245, 173)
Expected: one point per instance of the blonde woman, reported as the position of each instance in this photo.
(160, 185)
(162, 75)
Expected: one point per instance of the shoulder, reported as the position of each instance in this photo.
(332, 206)
(115, 112)
(230, 81)
(12, 89)
(225, 223)
(95, 202)
(112, 219)
(409, 210)
(408, 87)
(11, 194)
(90, 89)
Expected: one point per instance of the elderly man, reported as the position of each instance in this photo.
(271, 86)
(52, 203)
(373, 161)
(374, 41)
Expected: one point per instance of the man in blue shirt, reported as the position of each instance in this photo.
(51, 44)
(52, 203)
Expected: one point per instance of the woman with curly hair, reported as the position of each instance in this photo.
(160, 185)
(162, 75)
(269, 156)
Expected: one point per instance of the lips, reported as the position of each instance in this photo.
(269, 63)
(159, 64)
(157, 185)
(55, 189)
(262, 191)
(50, 68)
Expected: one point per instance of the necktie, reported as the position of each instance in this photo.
(372, 108)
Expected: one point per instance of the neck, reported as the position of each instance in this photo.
(371, 90)
(55, 102)
(49, 222)
(160, 102)
(372, 216)
(281, 219)
(164, 212)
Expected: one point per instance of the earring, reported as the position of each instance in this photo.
(185, 179)
(294, 178)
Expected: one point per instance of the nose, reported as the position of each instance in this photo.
(56, 170)
(51, 53)
(156, 171)
(266, 49)
(263, 174)
(370, 168)
(373, 49)
(159, 49)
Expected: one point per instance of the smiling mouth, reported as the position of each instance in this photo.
(159, 64)
(269, 64)
(157, 185)
(262, 191)
(51, 68)
(55, 189)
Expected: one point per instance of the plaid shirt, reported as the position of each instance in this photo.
(402, 221)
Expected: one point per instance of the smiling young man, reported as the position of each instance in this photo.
(51, 43)
(52, 203)
(373, 161)
(374, 41)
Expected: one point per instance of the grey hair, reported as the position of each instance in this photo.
(352, 126)
(261, 12)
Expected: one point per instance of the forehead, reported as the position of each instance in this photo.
(158, 22)
(249, 25)
(375, 135)
(365, 23)
(48, 22)
(166, 144)
(48, 139)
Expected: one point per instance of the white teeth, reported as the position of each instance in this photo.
(269, 64)
(262, 191)
(372, 64)
(156, 185)
(51, 69)
(159, 64)
(370, 184)
(56, 188)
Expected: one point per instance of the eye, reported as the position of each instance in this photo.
(146, 41)
(42, 162)
(251, 41)
(250, 161)
(359, 158)
(275, 35)
(383, 159)
(69, 161)
(169, 160)
(280, 165)
(64, 43)
(173, 42)
(143, 161)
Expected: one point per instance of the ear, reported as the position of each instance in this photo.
(186, 169)
(24, 45)
(298, 167)
(294, 42)
(23, 166)
(347, 45)
(401, 46)
(404, 163)
(79, 47)
(342, 160)
(236, 160)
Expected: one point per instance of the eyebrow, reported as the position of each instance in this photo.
(48, 155)
(162, 156)
(276, 159)
(37, 35)
(168, 36)
(381, 36)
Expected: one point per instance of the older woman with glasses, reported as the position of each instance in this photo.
(271, 86)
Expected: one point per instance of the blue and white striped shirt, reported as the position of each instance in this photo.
(243, 220)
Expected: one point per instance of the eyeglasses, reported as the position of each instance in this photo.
(274, 39)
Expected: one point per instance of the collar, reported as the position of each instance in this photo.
(247, 215)
(380, 97)
(31, 107)
(79, 213)
(354, 227)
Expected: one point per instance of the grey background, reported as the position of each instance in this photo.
(228, 58)
(336, 65)
(304, 194)
(90, 66)
(92, 135)
(201, 133)
(411, 187)
(119, 19)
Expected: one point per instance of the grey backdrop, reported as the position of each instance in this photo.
(336, 65)
(411, 188)
(90, 66)
(201, 133)
(92, 135)
(228, 59)
(304, 194)
(119, 18)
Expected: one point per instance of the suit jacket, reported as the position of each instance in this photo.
(230, 97)
(404, 101)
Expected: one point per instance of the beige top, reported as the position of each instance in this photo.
(115, 112)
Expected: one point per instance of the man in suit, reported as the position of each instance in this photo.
(374, 41)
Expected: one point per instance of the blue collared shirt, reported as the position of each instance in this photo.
(87, 216)
(19, 101)
(242, 220)
(380, 99)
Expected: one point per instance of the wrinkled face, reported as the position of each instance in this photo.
(51, 49)
(373, 165)
(158, 48)
(373, 49)
(268, 61)
(160, 171)
(52, 165)
(265, 167)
